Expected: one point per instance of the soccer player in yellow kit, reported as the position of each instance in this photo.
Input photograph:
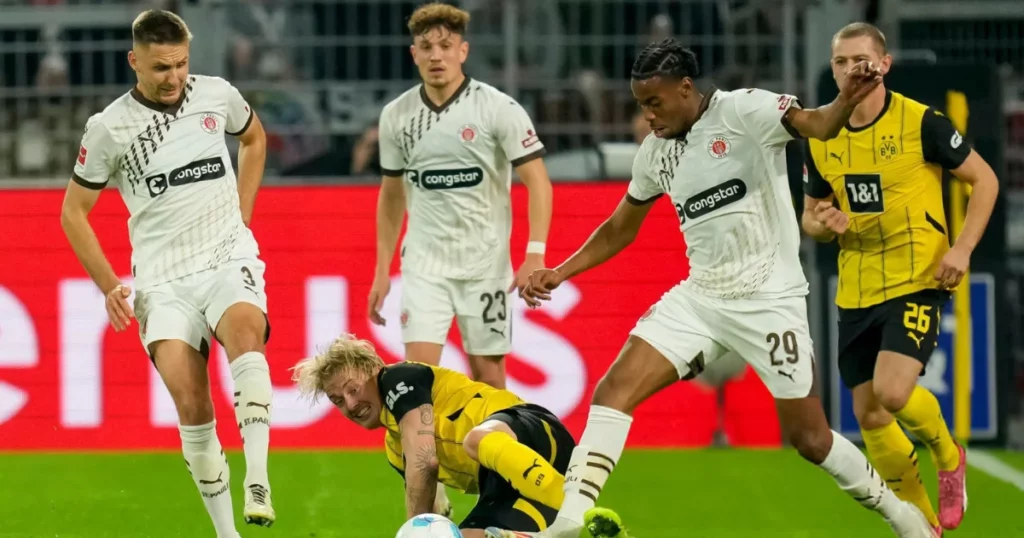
(877, 187)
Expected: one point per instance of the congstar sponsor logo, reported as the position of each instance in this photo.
(715, 198)
(449, 179)
(196, 171)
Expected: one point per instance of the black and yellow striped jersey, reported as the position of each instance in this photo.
(460, 404)
(887, 177)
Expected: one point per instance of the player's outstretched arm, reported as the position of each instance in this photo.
(252, 157)
(613, 235)
(825, 122)
(421, 463)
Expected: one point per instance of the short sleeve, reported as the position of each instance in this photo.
(642, 187)
(392, 160)
(96, 156)
(515, 133)
(941, 143)
(815, 186)
(239, 113)
(764, 114)
(406, 386)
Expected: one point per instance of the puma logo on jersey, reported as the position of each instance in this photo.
(393, 395)
(917, 339)
(838, 157)
(714, 198)
(535, 465)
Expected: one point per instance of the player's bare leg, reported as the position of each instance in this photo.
(896, 389)
(891, 452)
(242, 331)
(430, 353)
(488, 369)
(805, 426)
(184, 372)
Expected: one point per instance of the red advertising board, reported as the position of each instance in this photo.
(69, 382)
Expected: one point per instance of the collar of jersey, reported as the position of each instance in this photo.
(159, 107)
(439, 109)
(885, 108)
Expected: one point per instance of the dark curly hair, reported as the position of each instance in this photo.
(666, 58)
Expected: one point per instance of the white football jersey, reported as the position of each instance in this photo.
(173, 169)
(727, 179)
(457, 161)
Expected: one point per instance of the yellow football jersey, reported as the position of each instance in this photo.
(887, 177)
(460, 404)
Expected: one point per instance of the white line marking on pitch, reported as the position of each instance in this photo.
(996, 467)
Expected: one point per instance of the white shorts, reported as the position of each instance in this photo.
(190, 307)
(482, 309)
(693, 330)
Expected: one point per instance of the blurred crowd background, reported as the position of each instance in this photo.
(319, 71)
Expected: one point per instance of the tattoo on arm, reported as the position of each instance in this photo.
(427, 414)
(421, 473)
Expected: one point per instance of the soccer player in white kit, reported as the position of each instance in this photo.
(447, 150)
(720, 157)
(194, 260)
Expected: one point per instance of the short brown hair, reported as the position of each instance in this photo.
(438, 14)
(159, 27)
(861, 29)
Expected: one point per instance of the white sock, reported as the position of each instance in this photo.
(253, 396)
(209, 468)
(592, 462)
(851, 470)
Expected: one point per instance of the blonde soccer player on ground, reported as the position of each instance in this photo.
(877, 188)
(442, 426)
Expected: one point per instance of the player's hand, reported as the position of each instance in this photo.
(118, 311)
(859, 81)
(540, 285)
(831, 218)
(379, 290)
(953, 267)
(532, 263)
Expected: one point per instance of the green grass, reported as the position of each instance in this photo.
(1015, 459)
(660, 494)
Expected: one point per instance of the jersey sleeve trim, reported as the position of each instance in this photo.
(390, 172)
(815, 186)
(785, 119)
(529, 157)
(248, 122)
(86, 183)
(638, 202)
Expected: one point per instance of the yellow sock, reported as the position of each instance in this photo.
(528, 472)
(895, 458)
(923, 418)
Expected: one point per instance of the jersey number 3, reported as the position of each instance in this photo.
(865, 193)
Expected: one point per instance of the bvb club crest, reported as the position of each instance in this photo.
(887, 148)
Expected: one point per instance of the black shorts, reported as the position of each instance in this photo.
(908, 325)
(499, 504)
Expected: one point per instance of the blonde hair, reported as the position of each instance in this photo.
(860, 29)
(438, 14)
(346, 354)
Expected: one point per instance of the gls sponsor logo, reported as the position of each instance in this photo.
(435, 180)
(714, 198)
(393, 395)
(193, 172)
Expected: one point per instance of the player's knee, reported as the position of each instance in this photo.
(194, 409)
(872, 418)
(892, 396)
(471, 443)
(813, 444)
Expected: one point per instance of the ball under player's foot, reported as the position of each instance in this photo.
(602, 523)
(953, 493)
(912, 523)
(258, 509)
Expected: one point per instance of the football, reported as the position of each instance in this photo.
(429, 526)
